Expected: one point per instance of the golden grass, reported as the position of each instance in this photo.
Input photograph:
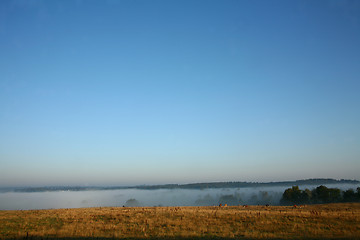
(331, 221)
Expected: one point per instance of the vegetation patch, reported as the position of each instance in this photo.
(321, 194)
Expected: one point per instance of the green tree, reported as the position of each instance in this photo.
(335, 195)
(292, 196)
(320, 194)
(349, 196)
(306, 196)
(323, 194)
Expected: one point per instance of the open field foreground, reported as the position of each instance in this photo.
(331, 221)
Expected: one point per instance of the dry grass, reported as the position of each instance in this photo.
(331, 221)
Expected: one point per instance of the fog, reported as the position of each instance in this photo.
(139, 197)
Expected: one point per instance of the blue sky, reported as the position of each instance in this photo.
(148, 92)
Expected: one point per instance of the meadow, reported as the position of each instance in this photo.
(327, 221)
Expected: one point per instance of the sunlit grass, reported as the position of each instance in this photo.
(332, 221)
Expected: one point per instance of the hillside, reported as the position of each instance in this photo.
(314, 181)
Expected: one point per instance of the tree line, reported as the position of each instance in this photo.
(313, 181)
(321, 194)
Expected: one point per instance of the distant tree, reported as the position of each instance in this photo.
(291, 196)
(323, 194)
(265, 198)
(132, 203)
(306, 196)
(206, 200)
(349, 196)
(230, 200)
(334, 195)
(254, 199)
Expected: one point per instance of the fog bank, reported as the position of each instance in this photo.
(139, 197)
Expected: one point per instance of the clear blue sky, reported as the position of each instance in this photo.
(148, 92)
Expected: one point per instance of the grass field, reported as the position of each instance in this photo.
(331, 221)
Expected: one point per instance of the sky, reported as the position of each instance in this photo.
(152, 92)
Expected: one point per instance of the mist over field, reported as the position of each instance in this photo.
(140, 197)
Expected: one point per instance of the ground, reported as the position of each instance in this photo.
(328, 221)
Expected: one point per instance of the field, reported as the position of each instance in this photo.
(331, 221)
